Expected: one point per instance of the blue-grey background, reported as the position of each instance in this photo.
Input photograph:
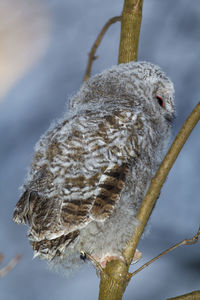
(170, 37)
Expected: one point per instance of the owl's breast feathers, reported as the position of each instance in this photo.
(78, 175)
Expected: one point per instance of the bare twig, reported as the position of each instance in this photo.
(10, 265)
(94, 261)
(97, 42)
(191, 296)
(184, 242)
(1, 257)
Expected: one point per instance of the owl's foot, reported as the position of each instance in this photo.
(100, 262)
(103, 261)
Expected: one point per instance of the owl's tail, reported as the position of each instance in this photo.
(48, 249)
(24, 206)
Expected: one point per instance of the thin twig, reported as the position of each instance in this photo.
(137, 6)
(10, 265)
(97, 42)
(191, 296)
(184, 242)
(94, 261)
(1, 257)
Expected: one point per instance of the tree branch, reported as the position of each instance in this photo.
(1, 257)
(184, 242)
(115, 277)
(91, 55)
(130, 30)
(10, 265)
(191, 296)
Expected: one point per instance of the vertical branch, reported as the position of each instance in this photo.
(130, 30)
(114, 279)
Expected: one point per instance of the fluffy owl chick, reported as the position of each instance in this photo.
(92, 169)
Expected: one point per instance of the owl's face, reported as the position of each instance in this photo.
(154, 88)
(163, 98)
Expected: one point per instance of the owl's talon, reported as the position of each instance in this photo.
(109, 258)
(83, 255)
(100, 263)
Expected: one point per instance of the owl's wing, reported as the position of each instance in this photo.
(109, 180)
(76, 214)
(41, 214)
(47, 236)
(110, 187)
(21, 209)
(91, 197)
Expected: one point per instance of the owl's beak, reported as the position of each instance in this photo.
(170, 117)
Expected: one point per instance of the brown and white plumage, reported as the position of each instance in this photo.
(90, 171)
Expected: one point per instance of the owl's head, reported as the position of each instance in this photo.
(137, 84)
(158, 89)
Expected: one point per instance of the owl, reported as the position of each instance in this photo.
(91, 169)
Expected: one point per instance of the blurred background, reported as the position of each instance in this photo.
(43, 54)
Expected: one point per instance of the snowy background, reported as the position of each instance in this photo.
(43, 55)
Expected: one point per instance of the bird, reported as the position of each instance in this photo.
(92, 168)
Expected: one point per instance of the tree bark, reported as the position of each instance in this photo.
(130, 30)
